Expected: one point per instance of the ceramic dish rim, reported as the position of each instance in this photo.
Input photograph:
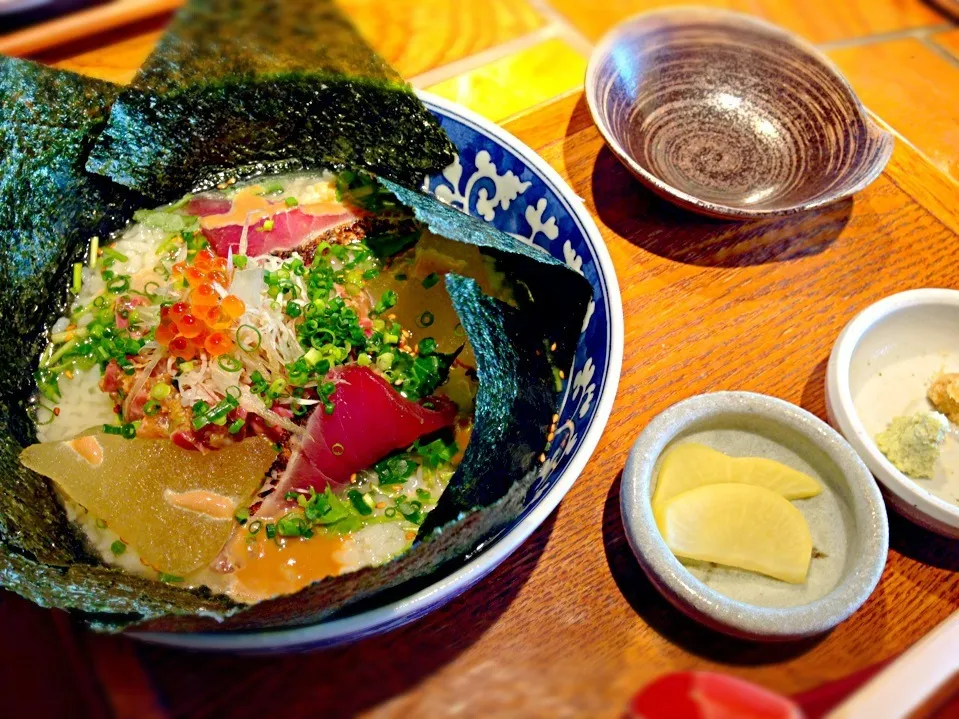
(601, 51)
(722, 612)
(843, 412)
(381, 619)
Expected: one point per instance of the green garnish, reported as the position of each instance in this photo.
(242, 515)
(77, 278)
(436, 452)
(360, 502)
(169, 578)
(430, 280)
(118, 548)
(291, 202)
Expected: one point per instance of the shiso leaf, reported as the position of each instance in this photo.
(239, 82)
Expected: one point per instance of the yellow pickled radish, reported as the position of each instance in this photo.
(740, 525)
(689, 465)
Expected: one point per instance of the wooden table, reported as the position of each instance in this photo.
(569, 626)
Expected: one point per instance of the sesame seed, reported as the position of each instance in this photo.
(411, 535)
(552, 347)
(562, 375)
(56, 411)
(549, 437)
(380, 505)
(542, 458)
(555, 418)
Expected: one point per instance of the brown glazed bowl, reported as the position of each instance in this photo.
(729, 116)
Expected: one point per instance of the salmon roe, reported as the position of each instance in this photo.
(218, 344)
(188, 327)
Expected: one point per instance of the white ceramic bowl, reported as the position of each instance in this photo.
(880, 368)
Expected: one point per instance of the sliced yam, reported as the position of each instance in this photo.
(689, 465)
(172, 505)
(740, 525)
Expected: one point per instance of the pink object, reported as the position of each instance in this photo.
(707, 695)
(370, 420)
(291, 229)
(201, 206)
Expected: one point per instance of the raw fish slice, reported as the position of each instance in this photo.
(370, 420)
(707, 695)
(201, 206)
(291, 229)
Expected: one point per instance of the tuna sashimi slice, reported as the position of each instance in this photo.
(369, 421)
(291, 229)
(708, 695)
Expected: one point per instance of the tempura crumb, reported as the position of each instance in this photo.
(944, 395)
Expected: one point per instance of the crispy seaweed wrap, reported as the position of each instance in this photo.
(290, 389)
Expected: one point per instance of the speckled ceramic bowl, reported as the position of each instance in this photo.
(847, 520)
(729, 116)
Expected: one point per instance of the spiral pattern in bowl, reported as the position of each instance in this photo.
(730, 116)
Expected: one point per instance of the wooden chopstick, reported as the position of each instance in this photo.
(82, 24)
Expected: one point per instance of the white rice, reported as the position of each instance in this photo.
(83, 405)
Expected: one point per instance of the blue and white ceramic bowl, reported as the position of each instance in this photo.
(497, 178)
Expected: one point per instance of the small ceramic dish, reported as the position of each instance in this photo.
(729, 116)
(880, 368)
(847, 520)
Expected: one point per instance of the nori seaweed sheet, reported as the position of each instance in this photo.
(239, 82)
(51, 208)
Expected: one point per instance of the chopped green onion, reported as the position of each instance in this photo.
(151, 408)
(118, 548)
(291, 202)
(94, 247)
(268, 225)
(77, 277)
(357, 500)
(119, 284)
(129, 430)
(253, 343)
(242, 515)
(430, 280)
(389, 512)
(169, 578)
(114, 255)
(270, 530)
(161, 390)
(255, 526)
(385, 361)
(101, 524)
(426, 319)
(236, 426)
(239, 261)
(229, 363)
(364, 360)
(186, 366)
